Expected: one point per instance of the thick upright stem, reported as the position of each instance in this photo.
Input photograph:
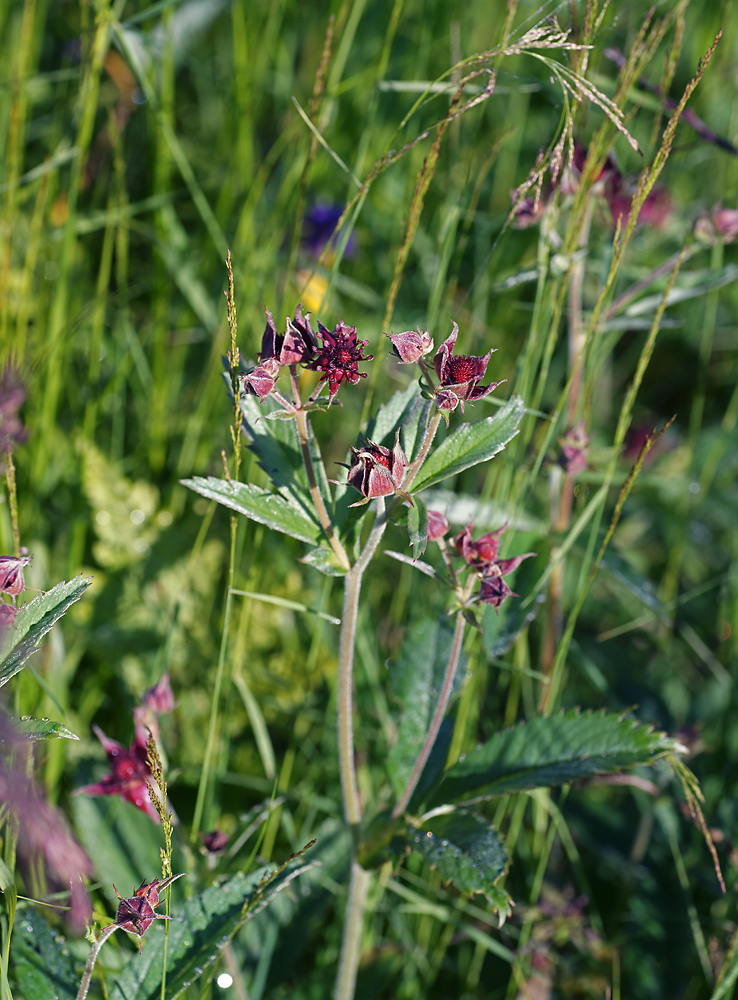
(430, 739)
(348, 963)
(359, 884)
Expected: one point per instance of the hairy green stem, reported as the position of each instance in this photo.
(84, 985)
(430, 739)
(348, 963)
(303, 434)
(353, 922)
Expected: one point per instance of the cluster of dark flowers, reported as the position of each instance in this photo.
(336, 358)
(481, 557)
(130, 776)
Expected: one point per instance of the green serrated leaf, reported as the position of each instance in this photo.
(471, 444)
(200, 928)
(42, 966)
(466, 850)
(41, 729)
(34, 620)
(552, 751)
(417, 526)
(258, 504)
(324, 560)
(415, 682)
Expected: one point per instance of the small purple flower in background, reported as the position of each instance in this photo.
(376, 471)
(574, 445)
(320, 223)
(482, 557)
(11, 574)
(339, 357)
(214, 842)
(12, 396)
(158, 700)
(720, 223)
(460, 375)
(136, 913)
(411, 345)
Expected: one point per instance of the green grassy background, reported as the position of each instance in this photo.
(111, 306)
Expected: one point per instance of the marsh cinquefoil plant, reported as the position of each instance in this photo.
(427, 807)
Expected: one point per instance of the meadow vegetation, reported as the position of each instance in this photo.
(558, 181)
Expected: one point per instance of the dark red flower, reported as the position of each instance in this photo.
(339, 356)
(494, 591)
(11, 574)
(484, 550)
(130, 772)
(137, 913)
(376, 471)
(482, 557)
(460, 375)
(411, 345)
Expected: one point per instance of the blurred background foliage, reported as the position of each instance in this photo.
(139, 143)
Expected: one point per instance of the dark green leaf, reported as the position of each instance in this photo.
(466, 850)
(415, 682)
(41, 729)
(41, 963)
(260, 505)
(471, 444)
(200, 928)
(417, 526)
(33, 622)
(552, 751)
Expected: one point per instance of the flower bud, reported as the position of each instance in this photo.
(11, 574)
(376, 471)
(411, 345)
(258, 382)
(437, 525)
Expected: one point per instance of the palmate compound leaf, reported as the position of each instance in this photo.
(259, 505)
(549, 751)
(466, 850)
(33, 622)
(471, 444)
(200, 928)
